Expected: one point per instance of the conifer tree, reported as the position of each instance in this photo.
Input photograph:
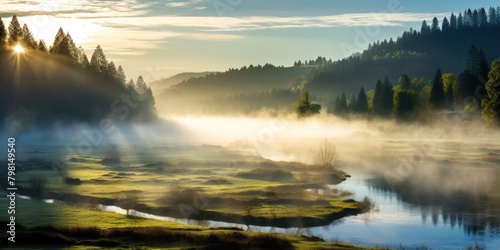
(15, 32)
(437, 99)
(3, 35)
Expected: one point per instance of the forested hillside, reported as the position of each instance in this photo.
(443, 44)
(42, 85)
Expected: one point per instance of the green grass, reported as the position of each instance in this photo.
(84, 228)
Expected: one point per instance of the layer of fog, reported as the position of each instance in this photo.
(447, 156)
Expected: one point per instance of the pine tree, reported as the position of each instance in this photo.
(73, 51)
(492, 16)
(3, 35)
(484, 67)
(445, 25)
(437, 99)
(483, 17)
(472, 64)
(362, 102)
(435, 25)
(41, 46)
(15, 32)
(57, 41)
(453, 21)
(475, 19)
(142, 87)
(98, 61)
(425, 29)
(460, 21)
(120, 75)
(29, 41)
(111, 73)
(405, 104)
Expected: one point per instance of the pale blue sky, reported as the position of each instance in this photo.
(160, 38)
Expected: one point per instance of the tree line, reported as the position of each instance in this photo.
(108, 83)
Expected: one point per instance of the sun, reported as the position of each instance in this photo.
(19, 49)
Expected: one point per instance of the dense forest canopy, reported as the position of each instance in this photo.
(41, 85)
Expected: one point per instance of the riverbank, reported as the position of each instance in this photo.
(47, 226)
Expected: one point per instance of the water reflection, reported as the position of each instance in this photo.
(475, 213)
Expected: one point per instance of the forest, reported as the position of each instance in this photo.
(44, 85)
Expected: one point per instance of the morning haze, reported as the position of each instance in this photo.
(250, 124)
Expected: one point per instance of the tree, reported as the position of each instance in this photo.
(362, 102)
(445, 25)
(453, 22)
(327, 157)
(404, 80)
(491, 105)
(484, 67)
(483, 17)
(425, 29)
(437, 99)
(472, 64)
(120, 75)
(475, 19)
(304, 107)
(28, 40)
(57, 41)
(460, 21)
(15, 32)
(41, 46)
(3, 35)
(435, 25)
(450, 84)
(98, 61)
(492, 16)
(405, 104)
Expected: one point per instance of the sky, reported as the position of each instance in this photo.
(157, 39)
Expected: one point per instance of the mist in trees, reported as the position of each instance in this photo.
(74, 91)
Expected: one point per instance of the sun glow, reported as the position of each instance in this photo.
(19, 49)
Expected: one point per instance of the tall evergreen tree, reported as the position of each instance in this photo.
(41, 46)
(472, 64)
(438, 100)
(460, 21)
(484, 67)
(483, 17)
(475, 19)
(435, 25)
(120, 75)
(468, 19)
(98, 61)
(492, 16)
(405, 104)
(362, 102)
(453, 21)
(57, 41)
(445, 25)
(15, 32)
(3, 35)
(425, 29)
(29, 41)
(352, 103)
